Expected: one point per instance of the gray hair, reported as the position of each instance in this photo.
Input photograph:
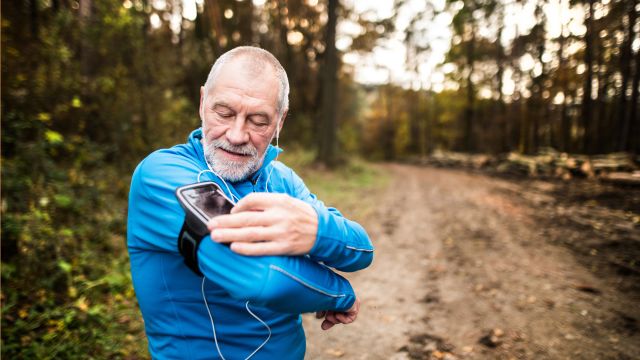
(258, 58)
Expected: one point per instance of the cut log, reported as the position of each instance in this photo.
(622, 178)
(548, 162)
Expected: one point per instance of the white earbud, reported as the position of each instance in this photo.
(266, 184)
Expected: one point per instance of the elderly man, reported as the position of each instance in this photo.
(260, 266)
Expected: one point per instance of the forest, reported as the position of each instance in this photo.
(90, 87)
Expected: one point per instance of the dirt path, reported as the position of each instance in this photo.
(467, 267)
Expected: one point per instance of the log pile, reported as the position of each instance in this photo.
(622, 178)
(617, 168)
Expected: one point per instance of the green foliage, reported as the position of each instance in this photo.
(66, 288)
(96, 317)
(89, 88)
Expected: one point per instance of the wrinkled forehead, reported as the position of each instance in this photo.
(251, 73)
(247, 77)
(253, 65)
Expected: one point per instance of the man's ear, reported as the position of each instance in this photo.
(281, 122)
(201, 109)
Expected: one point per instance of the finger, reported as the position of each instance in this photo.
(245, 234)
(326, 325)
(331, 316)
(260, 248)
(241, 219)
(320, 314)
(257, 201)
(346, 318)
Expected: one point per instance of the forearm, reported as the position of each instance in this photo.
(282, 283)
(340, 243)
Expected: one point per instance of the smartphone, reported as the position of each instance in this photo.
(201, 202)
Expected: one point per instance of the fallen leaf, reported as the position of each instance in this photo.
(335, 352)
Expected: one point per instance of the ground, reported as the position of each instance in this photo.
(473, 266)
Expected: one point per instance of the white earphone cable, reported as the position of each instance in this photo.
(213, 326)
(233, 197)
(246, 305)
(266, 184)
(204, 297)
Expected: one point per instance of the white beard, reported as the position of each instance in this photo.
(228, 169)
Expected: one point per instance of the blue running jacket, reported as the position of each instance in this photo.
(278, 288)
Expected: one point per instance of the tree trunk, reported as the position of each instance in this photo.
(633, 132)
(565, 127)
(283, 32)
(525, 126)
(603, 140)
(213, 26)
(625, 68)
(430, 125)
(588, 77)
(539, 111)
(327, 150)
(424, 132)
(522, 113)
(389, 130)
(285, 52)
(415, 121)
(565, 123)
(469, 111)
(505, 140)
(245, 16)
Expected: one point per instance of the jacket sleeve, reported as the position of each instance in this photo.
(282, 283)
(340, 243)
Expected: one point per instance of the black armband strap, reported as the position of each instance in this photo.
(188, 244)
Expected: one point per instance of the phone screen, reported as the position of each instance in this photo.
(207, 200)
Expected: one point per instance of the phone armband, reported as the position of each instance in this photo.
(200, 202)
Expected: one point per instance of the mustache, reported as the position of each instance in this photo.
(246, 149)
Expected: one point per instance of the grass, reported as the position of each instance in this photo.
(351, 188)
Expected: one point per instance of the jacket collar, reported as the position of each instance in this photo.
(195, 140)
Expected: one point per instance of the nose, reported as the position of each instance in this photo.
(237, 134)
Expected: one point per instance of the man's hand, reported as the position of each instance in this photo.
(336, 317)
(267, 224)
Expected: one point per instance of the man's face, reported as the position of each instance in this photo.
(239, 118)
